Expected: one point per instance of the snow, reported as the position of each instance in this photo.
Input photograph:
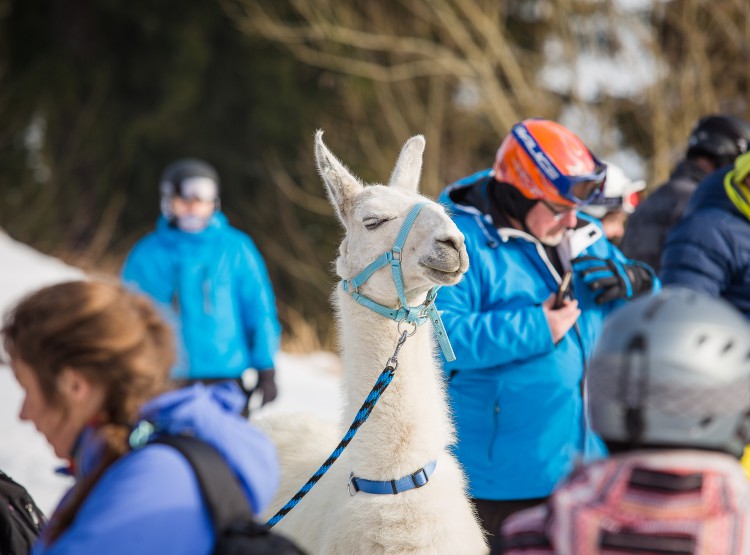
(307, 383)
(22, 270)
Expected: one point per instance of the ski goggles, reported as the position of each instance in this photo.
(578, 189)
(627, 203)
(198, 188)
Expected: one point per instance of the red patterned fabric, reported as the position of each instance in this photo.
(671, 502)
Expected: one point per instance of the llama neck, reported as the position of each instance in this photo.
(409, 425)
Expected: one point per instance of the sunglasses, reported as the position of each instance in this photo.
(579, 189)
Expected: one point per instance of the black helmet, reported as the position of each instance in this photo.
(188, 178)
(719, 137)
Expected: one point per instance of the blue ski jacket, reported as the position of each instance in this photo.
(149, 502)
(515, 395)
(214, 289)
(709, 249)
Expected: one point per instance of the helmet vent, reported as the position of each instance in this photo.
(635, 386)
(706, 420)
(727, 347)
(654, 306)
(656, 378)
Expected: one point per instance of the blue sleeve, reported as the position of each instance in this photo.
(490, 338)
(145, 271)
(258, 307)
(146, 503)
(698, 255)
(250, 450)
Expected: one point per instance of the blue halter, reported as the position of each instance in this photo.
(416, 315)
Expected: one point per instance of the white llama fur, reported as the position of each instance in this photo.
(411, 423)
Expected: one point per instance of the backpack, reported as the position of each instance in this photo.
(236, 531)
(20, 518)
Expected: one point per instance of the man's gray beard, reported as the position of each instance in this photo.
(553, 243)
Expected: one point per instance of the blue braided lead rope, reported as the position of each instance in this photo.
(364, 411)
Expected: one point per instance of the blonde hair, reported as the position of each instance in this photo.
(112, 337)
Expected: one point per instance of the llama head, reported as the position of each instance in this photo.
(372, 215)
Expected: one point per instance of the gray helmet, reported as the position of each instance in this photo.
(188, 178)
(673, 370)
(719, 137)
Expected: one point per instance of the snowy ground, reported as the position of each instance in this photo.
(308, 383)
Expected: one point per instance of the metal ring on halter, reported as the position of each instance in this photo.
(413, 331)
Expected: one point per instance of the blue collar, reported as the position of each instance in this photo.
(416, 315)
(412, 481)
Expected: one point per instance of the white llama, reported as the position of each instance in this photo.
(410, 425)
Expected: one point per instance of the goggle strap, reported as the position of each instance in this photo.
(535, 152)
(543, 162)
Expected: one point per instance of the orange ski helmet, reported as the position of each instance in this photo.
(544, 160)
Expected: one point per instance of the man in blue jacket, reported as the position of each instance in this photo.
(709, 249)
(516, 384)
(209, 280)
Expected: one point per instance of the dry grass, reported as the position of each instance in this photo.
(301, 335)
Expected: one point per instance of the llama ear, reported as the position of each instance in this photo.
(341, 185)
(409, 166)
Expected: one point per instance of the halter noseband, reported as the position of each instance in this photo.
(416, 315)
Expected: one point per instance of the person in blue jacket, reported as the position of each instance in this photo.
(714, 142)
(93, 359)
(209, 280)
(516, 384)
(709, 249)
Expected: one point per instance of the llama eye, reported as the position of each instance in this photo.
(374, 223)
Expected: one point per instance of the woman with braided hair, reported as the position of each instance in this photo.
(93, 360)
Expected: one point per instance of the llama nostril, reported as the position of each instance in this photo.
(451, 242)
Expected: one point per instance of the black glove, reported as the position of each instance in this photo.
(267, 385)
(613, 279)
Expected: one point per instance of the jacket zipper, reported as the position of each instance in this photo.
(207, 305)
(495, 428)
(32, 513)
